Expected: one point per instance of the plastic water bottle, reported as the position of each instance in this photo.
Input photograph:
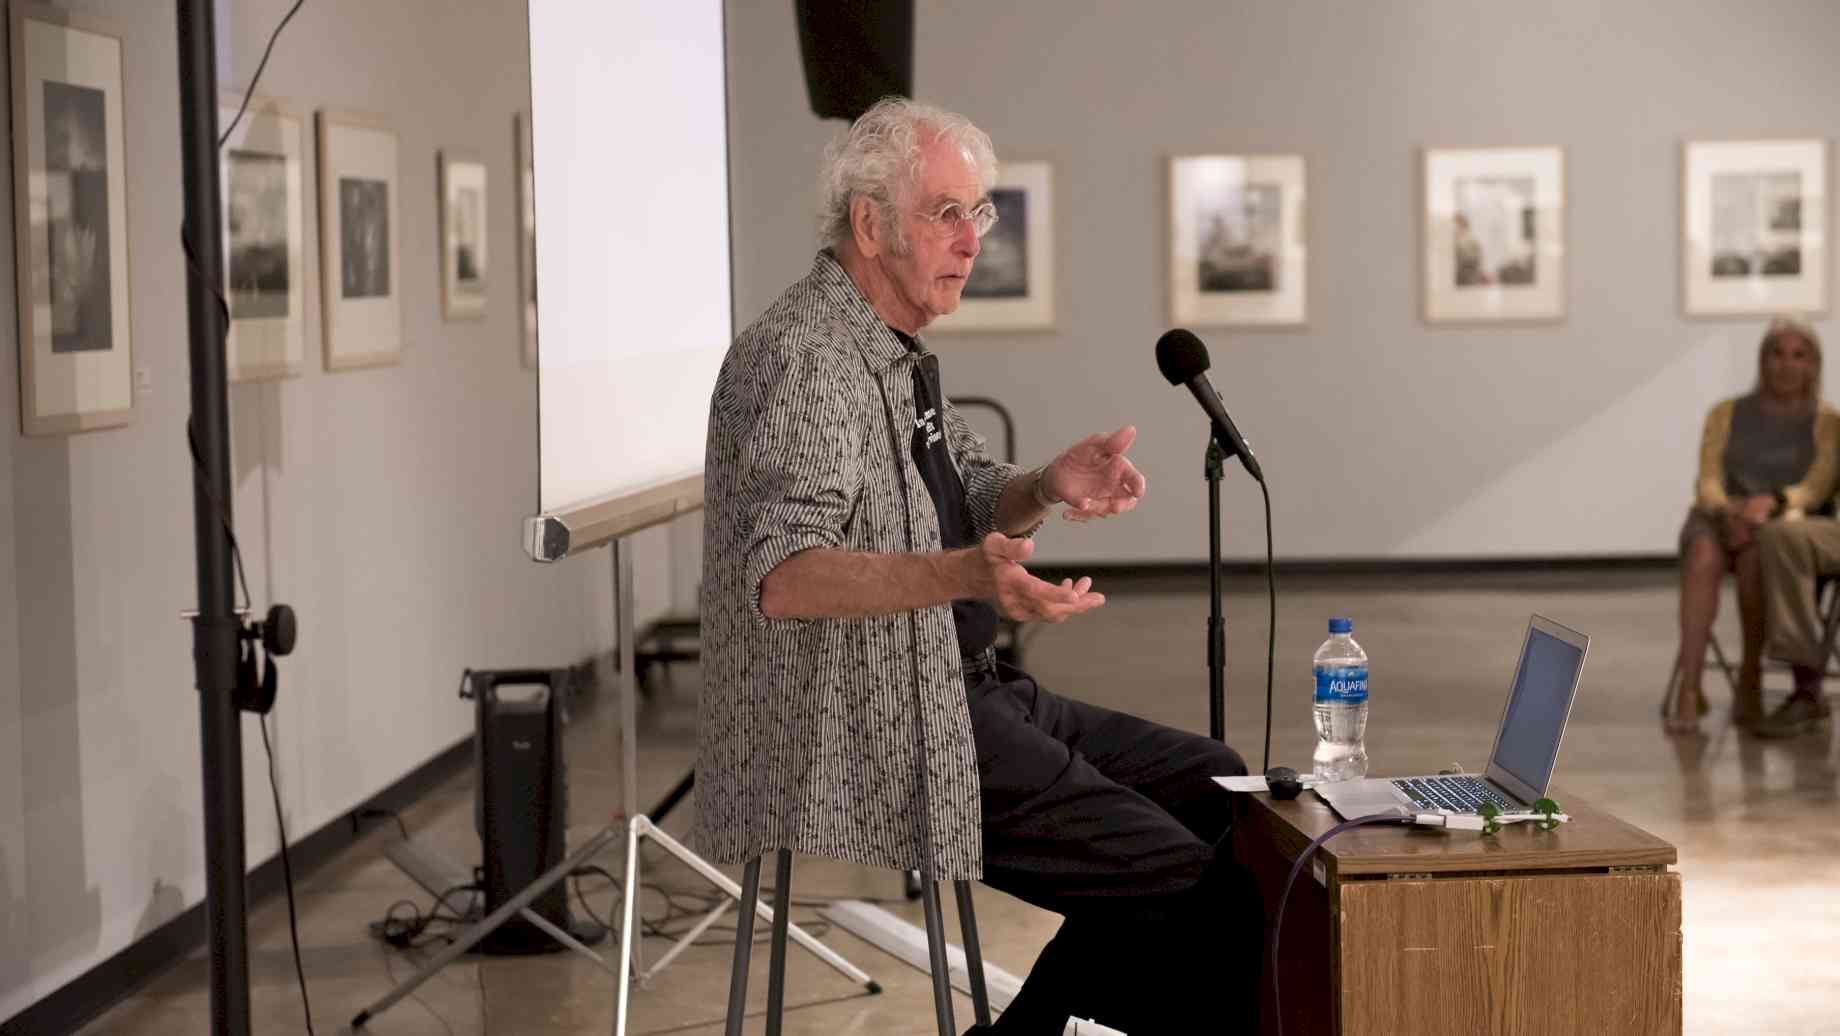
(1341, 705)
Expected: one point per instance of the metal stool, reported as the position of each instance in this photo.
(776, 971)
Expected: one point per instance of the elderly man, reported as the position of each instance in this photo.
(859, 548)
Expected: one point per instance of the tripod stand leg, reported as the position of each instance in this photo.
(629, 899)
(685, 941)
(437, 876)
(744, 947)
(565, 938)
(469, 938)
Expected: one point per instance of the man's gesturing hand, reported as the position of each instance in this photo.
(1095, 478)
(998, 576)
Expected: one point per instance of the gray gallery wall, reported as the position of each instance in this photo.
(1382, 437)
(383, 504)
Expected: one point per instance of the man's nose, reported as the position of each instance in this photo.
(966, 242)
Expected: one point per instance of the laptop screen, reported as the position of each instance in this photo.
(1537, 707)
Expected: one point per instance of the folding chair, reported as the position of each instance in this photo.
(1827, 598)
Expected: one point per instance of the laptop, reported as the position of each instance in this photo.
(1526, 742)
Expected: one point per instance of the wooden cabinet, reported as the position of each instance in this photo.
(1401, 930)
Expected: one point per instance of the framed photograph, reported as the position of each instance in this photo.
(1753, 227)
(463, 237)
(264, 265)
(527, 239)
(1011, 287)
(70, 219)
(1494, 235)
(360, 239)
(1236, 241)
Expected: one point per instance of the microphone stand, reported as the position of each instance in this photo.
(1217, 627)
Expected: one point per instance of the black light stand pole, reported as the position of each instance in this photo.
(1217, 626)
(215, 630)
(672, 797)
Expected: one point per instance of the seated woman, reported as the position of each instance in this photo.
(1768, 454)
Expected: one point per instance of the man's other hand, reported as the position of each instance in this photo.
(998, 576)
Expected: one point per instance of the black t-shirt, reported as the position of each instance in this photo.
(976, 620)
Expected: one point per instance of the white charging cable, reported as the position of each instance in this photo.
(1474, 821)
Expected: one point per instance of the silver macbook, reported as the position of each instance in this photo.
(1526, 743)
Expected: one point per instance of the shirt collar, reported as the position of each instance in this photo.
(874, 339)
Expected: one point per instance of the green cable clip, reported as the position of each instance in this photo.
(1549, 808)
(1491, 818)
(1550, 816)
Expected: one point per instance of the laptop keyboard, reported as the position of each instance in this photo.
(1457, 793)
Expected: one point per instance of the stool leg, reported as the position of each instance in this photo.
(974, 957)
(744, 946)
(776, 968)
(936, 954)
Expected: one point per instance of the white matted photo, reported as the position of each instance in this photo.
(1011, 287)
(70, 218)
(463, 237)
(1494, 235)
(1753, 227)
(1237, 253)
(527, 240)
(360, 239)
(264, 237)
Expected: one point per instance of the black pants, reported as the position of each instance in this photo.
(1113, 822)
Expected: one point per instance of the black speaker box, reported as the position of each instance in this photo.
(521, 807)
(855, 52)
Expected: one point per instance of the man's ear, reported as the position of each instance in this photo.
(865, 228)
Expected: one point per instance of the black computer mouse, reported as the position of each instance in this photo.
(1283, 782)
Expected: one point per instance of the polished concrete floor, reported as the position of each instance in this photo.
(1755, 823)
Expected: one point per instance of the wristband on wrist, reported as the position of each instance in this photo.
(1038, 488)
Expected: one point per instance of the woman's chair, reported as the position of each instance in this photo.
(776, 968)
(1827, 598)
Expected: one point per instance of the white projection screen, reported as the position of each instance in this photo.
(634, 307)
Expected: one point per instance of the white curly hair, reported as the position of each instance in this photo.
(879, 156)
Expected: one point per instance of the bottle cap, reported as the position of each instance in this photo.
(1341, 625)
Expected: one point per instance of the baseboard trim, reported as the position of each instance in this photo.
(90, 995)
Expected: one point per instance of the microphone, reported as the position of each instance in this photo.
(1184, 361)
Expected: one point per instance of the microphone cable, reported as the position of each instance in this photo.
(1277, 923)
(1271, 622)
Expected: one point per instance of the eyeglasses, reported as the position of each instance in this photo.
(951, 217)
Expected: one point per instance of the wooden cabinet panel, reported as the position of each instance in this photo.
(1511, 956)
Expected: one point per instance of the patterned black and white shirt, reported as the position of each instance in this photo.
(810, 731)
